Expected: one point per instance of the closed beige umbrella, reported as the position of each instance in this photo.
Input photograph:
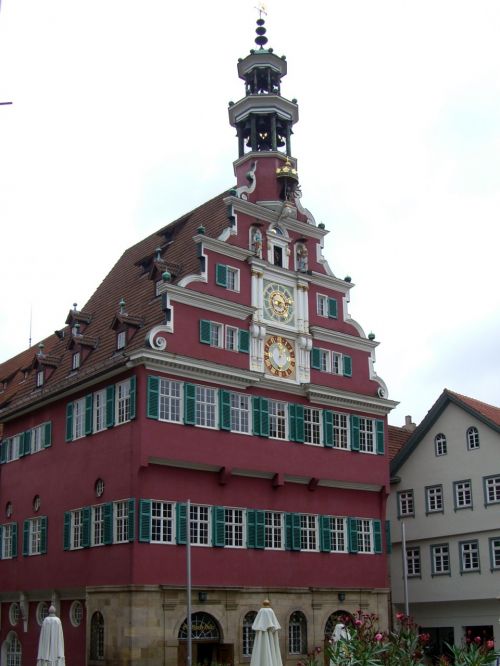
(266, 648)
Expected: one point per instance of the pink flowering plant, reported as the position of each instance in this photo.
(475, 651)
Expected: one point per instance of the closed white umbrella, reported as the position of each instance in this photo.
(266, 648)
(51, 643)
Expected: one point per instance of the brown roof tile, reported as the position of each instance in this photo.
(489, 411)
(398, 436)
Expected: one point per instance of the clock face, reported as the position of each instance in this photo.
(279, 356)
(278, 302)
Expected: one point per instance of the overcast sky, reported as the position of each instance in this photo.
(119, 125)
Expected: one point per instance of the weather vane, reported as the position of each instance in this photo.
(261, 9)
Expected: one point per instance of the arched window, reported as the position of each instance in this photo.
(472, 438)
(203, 628)
(248, 633)
(97, 636)
(340, 616)
(297, 633)
(11, 650)
(440, 444)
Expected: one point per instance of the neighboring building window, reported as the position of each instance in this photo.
(277, 419)
(340, 431)
(99, 410)
(491, 489)
(434, 499)
(413, 562)
(170, 406)
(366, 435)
(14, 613)
(240, 412)
(365, 536)
(440, 557)
(75, 361)
(97, 637)
(216, 337)
(76, 613)
(200, 525)
(162, 522)
(8, 535)
(77, 529)
(308, 532)
(406, 505)
(123, 402)
(440, 445)
(312, 426)
(469, 556)
(120, 521)
(42, 610)
(206, 407)
(13, 650)
(463, 494)
(121, 339)
(97, 527)
(233, 279)
(231, 338)
(273, 530)
(234, 527)
(472, 438)
(322, 305)
(248, 636)
(79, 418)
(39, 378)
(297, 634)
(495, 553)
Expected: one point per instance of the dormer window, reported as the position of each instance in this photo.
(75, 361)
(121, 339)
(40, 378)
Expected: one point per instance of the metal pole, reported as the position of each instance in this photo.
(405, 568)
(188, 558)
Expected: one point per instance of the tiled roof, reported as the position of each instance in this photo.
(398, 436)
(489, 411)
(129, 279)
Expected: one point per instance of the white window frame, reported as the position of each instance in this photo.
(494, 544)
(248, 634)
(324, 360)
(206, 403)
(341, 431)
(201, 525)
(312, 426)
(75, 360)
(273, 531)
(233, 282)
(122, 402)
(309, 532)
(162, 522)
(121, 340)
(322, 305)
(79, 418)
(406, 503)
(278, 419)
(337, 363)
(99, 411)
(440, 444)
(472, 435)
(40, 378)
(491, 489)
(434, 501)
(97, 525)
(120, 521)
(297, 634)
(7, 541)
(76, 613)
(367, 435)
(76, 530)
(413, 562)
(231, 338)
(469, 556)
(216, 335)
(365, 535)
(234, 527)
(462, 492)
(36, 444)
(440, 559)
(35, 536)
(13, 448)
(170, 405)
(338, 532)
(241, 413)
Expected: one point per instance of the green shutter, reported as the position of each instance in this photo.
(43, 535)
(86, 527)
(189, 404)
(152, 409)
(328, 428)
(243, 341)
(221, 275)
(88, 414)
(132, 399)
(291, 422)
(1, 536)
(47, 434)
(181, 522)
(377, 536)
(325, 534)
(256, 415)
(145, 521)
(26, 442)
(26, 537)
(388, 540)
(3, 451)
(108, 523)
(346, 365)
(380, 437)
(14, 539)
(292, 531)
(260, 529)
(352, 528)
(205, 331)
(67, 530)
(224, 410)
(354, 420)
(218, 526)
(315, 358)
(332, 308)
(69, 422)
(264, 417)
(131, 519)
(299, 423)
(110, 406)
(251, 528)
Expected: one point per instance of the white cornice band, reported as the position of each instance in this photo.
(205, 301)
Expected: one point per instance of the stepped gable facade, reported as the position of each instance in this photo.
(214, 390)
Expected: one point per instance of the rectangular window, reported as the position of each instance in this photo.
(121, 339)
(35, 536)
(120, 522)
(440, 558)
(277, 419)
(338, 534)
(463, 494)
(234, 528)
(97, 533)
(366, 435)
(200, 525)
(123, 402)
(76, 529)
(170, 406)
(231, 338)
(216, 337)
(492, 489)
(162, 522)
(240, 413)
(364, 536)
(312, 426)
(337, 367)
(12, 447)
(469, 556)
(7, 532)
(406, 506)
(273, 530)
(413, 562)
(206, 407)
(308, 532)
(79, 418)
(39, 378)
(75, 361)
(495, 553)
(434, 499)
(322, 305)
(37, 439)
(99, 410)
(440, 445)
(233, 279)
(324, 360)
(340, 431)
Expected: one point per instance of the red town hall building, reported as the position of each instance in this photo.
(216, 363)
